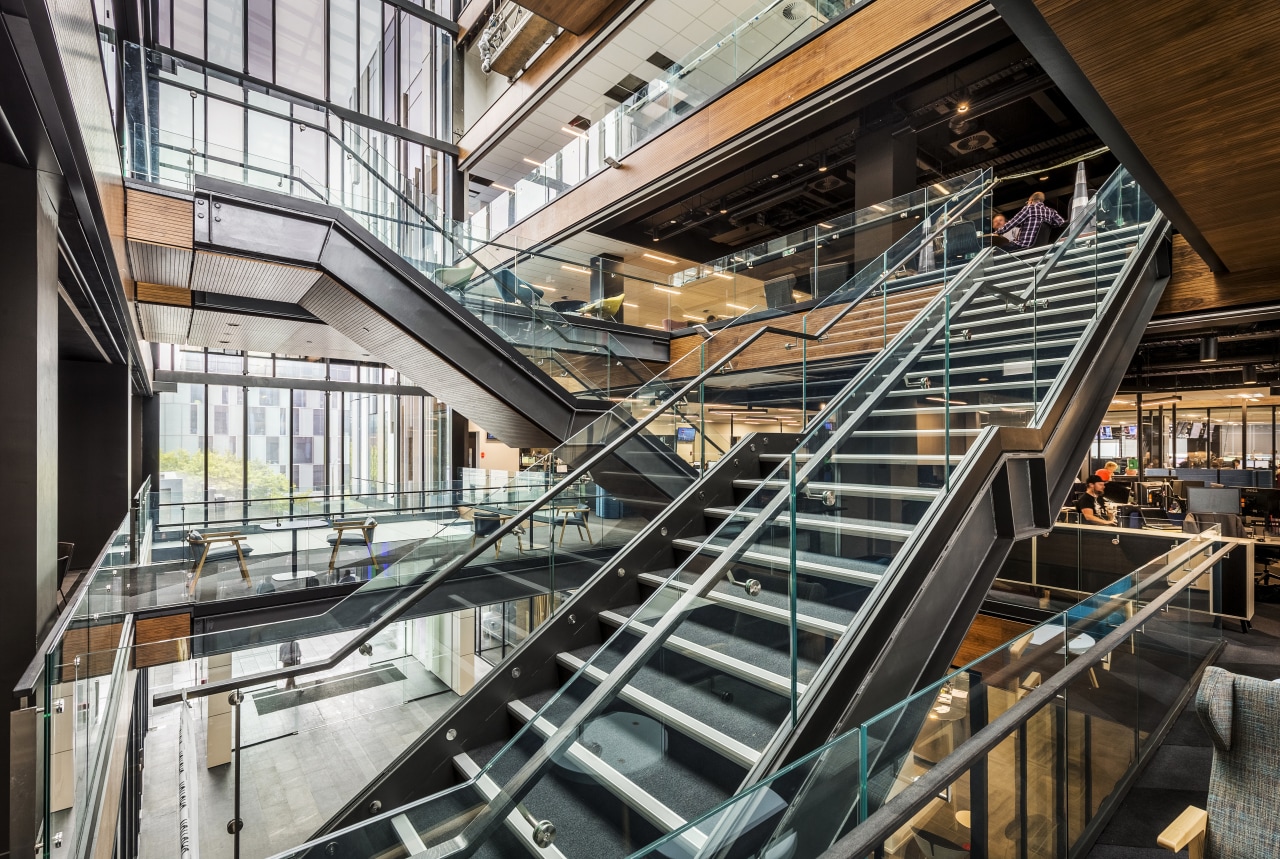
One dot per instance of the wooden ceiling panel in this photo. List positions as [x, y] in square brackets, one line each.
[1196, 86]
[576, 16]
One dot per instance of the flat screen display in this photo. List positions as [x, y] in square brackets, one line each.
[1104, 433]
[684, 433]
[1205, 499]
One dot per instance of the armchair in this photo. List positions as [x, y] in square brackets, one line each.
[1243, 817]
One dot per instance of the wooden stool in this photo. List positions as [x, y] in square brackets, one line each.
[195, 538]
[364, 526]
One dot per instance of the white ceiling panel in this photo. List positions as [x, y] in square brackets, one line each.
[236, 275]
[164, 323]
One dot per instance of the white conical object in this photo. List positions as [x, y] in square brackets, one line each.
[1079, 199]
[925, 261]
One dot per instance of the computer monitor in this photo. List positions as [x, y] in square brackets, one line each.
[1149, 492]
[1260, 503]
[1203, 499]
[1116, 491]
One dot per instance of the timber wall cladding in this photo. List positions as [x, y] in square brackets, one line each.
[1196, 86]
[862, 330]
[1192, 287]
[161, 640]
[986, 634]
[159, 219]
[869, 33]
[95, 646]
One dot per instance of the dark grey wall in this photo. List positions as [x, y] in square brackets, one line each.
[95, 437]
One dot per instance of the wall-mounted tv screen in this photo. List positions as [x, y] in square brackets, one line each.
[684, 433]
[1104, 433]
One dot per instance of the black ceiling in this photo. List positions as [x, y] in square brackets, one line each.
[1016, 121]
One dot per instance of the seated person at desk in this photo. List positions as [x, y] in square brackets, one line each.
[1107, 471]
[1091, 505]
[1033, 222]
[1001, 235]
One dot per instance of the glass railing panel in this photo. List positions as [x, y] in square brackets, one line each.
[736, 50]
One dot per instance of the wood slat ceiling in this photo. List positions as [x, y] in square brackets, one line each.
[1196, 86]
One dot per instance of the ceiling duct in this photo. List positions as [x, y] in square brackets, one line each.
[974, 142]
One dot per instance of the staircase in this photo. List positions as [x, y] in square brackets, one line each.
[764, 609]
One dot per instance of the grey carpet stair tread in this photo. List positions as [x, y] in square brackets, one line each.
[678, 786]
[581, 833]
[775, 599]
[784, 554]
[744, 649]
[747, 726]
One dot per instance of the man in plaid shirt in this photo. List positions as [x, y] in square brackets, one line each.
[1032, 220]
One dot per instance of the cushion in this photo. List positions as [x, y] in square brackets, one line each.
[1215, 704]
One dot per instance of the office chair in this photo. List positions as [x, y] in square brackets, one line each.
[962, 242]
[485, 523]
[1238, 714]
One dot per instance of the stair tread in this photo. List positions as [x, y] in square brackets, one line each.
[868, 572]
[680, 790]
[866, 527]
[736, 724]
[822, 615]
[746, 647]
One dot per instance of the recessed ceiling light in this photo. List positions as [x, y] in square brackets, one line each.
[827, 226]
[531, 161]
[567, 130]
[1044, 178]
[664, 289]
[579, 269]
[775, 175]
[724, 211]
[503, 188]
[660, 259]
[962, 107]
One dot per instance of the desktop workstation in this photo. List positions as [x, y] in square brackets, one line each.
[1239, 518]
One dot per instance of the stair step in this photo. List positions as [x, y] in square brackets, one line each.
[957, 409]
[720, 661]
[751, 605]
[804, 562]
[1063, 343]
[726, 745]
[939, 390]
[862, 490]
[615, 782]
[514, 821]
[853, 527]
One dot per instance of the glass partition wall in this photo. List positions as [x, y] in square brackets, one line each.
[1224, 431]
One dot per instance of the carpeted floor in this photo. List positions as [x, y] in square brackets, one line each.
[1178, 775]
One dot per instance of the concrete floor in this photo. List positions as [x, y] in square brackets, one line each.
[307, 761]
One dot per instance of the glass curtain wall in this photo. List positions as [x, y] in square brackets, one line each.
[1244, 436]
[390, 62]
[223, 443]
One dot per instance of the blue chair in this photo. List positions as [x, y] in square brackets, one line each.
[577, 517]
[485, 523]
[512, 288]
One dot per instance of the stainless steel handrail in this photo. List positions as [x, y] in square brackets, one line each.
[483, 546]
[889, 818]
